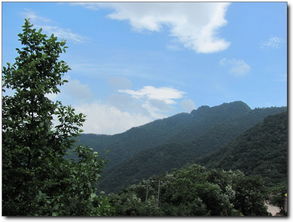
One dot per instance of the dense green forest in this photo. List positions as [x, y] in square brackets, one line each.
[260, 153]
[193, 191]
[186, 138]
[261, 150]
[184, 128]
[49, 169]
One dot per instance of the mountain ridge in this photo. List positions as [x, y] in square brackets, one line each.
[172, 141]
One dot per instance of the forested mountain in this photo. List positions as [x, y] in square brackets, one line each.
[120, 147]
[261, 150]
[179, 128]
[170, 143]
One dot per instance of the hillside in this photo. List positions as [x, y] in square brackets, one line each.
[117, 148]
[170, 143]
[261, 150]
[184, 148]
[179, 128]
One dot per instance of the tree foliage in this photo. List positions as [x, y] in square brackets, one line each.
[37, 178]
[193, 191]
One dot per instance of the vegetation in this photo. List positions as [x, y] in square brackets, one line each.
[193, 191]
[188, 137]
[45, 172]
[37, 179]
[261, 150]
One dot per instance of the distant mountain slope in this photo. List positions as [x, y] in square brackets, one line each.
[120, 147]
[261, 150]
[209, 129]
[181, 128]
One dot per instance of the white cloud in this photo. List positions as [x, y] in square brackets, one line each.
[164, 94]
[34, 17]
[119, 112]
[156, 101]
[107, 119]
[92, 6]
[195, 25]
[237, 67]
[188, 105]
[126, 103]
[52, 96]
[42, 22]
[76, 90]
[63, 33]
[153, 111]
[273, 42]
[156, 109]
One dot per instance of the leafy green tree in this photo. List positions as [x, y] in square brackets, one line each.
[193, 191]
[130, 204]
[37, 178]
[250, 195]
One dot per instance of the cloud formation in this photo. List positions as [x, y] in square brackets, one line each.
[78, 91]
[163, 94]
[273, 42]
[237, 67]
[102, 117]
[107, 119]
[42, 22]
[156, 101]
[120, 111]
[195, 25]
[34, 17]
[63, 33]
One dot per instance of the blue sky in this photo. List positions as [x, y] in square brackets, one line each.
[133, 63]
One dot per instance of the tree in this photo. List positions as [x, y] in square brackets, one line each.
[194, 191]
[250, 195]
[37, 177]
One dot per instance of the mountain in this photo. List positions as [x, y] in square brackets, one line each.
[211, 133]
[158, 132]
[170, 143]
[261, 150]
[180, 127]
[120, 147]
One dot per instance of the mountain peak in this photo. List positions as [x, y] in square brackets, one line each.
[231, 109]
[236, 105]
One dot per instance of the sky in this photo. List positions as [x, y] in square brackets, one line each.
[132, 63]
